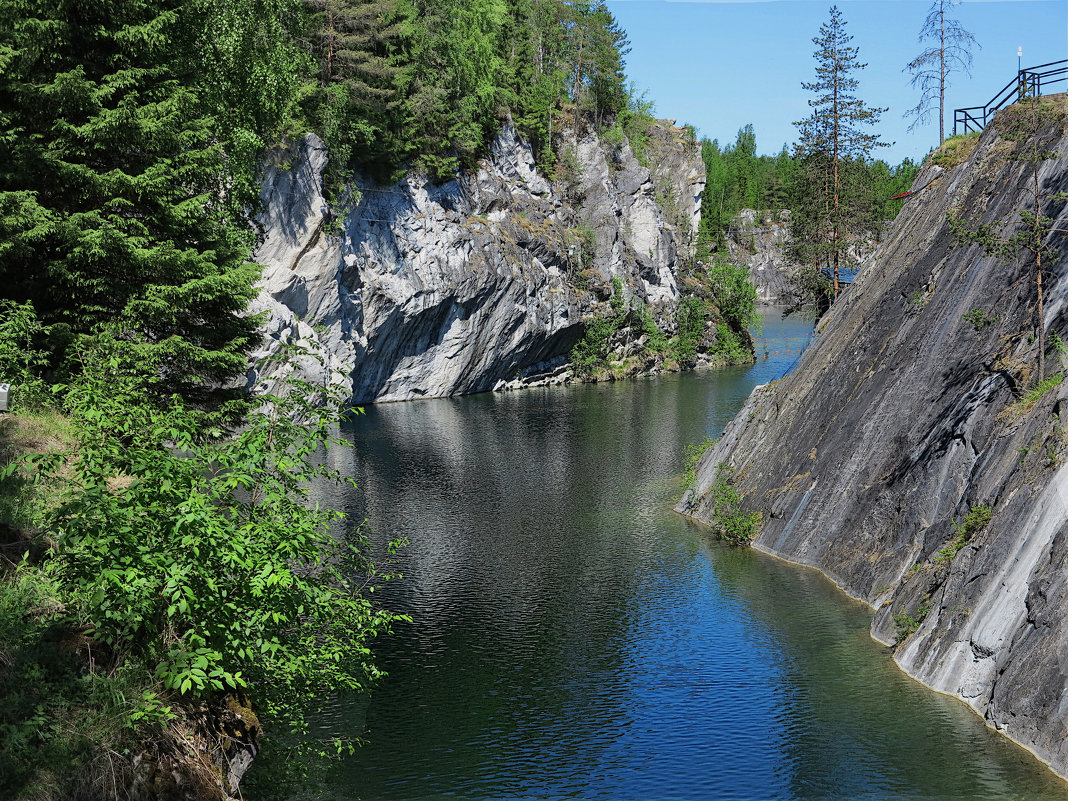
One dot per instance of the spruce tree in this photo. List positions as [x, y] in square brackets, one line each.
[362, 76]
[833, 134]
[112, 187]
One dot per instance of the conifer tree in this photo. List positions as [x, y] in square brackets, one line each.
[361, 74]
[832, 135]
[950, 52]
[112, 186]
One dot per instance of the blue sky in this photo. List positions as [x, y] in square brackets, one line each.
[718, 64]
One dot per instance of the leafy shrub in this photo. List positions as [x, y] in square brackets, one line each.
[656, 340]
[906, 623]
[734, 294]
[591, 351]
[978, 318]
[974, 522]
[693, 453]
[21, 358]
[729, 346]
[201, 558]
[1056, 344]
[690, 319]
[732, 524]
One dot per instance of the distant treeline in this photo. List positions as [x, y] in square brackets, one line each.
[740, 179]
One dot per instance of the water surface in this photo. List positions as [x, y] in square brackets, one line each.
[574, 638]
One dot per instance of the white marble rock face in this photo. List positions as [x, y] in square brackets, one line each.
[423, 289]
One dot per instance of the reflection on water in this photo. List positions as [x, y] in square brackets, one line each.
[572, 637]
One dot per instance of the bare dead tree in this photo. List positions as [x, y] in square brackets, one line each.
[949, 53]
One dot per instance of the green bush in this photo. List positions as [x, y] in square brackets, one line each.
[729, 346]
[732, 524]
[199, 559]
[591, 351]
[693, 453]
[733, 293]
[906, 623]
[21, 357]
[690, 318]
[978, 318]
[974, 522]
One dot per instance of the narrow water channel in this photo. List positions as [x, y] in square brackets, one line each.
[572, 637]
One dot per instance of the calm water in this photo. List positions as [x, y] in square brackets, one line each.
[574, 638]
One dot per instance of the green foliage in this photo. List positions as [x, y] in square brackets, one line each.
[733, 294]
[906, 623]
[122, 193]
[430, 82]
[978, 318]
[55, 717]
[974, 522]
[201, 561]
[690, 319]
[656, 340]
[836, 205]
[591, 351]
[635, 120]
[692, 455]
[730, 347]
[22, 355]
[732, 524]
[738, 178]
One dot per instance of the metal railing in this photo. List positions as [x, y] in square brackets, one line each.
[1029, 82]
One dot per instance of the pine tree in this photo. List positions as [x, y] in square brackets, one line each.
[834, 133]
[112, 187]
[951, 52]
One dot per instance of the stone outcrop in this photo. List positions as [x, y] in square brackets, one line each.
[908, 411]
[758, 240]
[424, 289]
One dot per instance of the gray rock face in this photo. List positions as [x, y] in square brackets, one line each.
[901, 418]
[425, 290]
[769, 268]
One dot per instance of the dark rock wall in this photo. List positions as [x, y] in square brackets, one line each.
[900, 419]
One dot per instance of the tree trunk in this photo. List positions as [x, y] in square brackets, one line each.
[1038, 267]
[942, 75]
[834, 220]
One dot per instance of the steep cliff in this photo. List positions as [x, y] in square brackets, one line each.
[758, 240]
[911, 412]
[425, 289]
